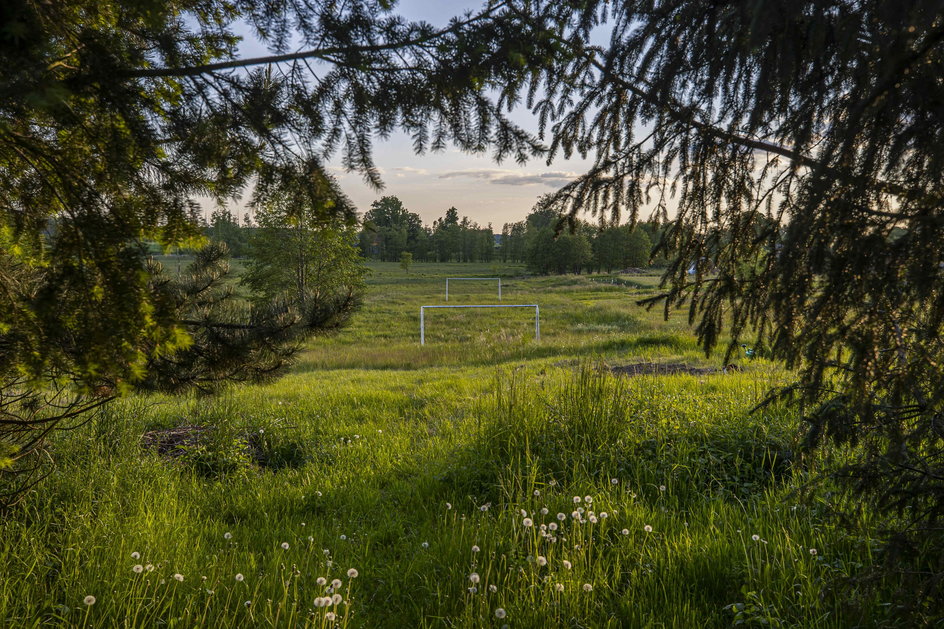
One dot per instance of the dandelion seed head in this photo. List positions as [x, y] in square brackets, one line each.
[587, 587]
[475, 549]
[352, 573]
[137, 569]
[89, 600]
[561, 516]
[542, 561]
[474, 577]
[448, 506]
[625, 531]
[337, 599]
[544, 511]
[247, 603]
[537, 492]
[500, 613]
[284, 545]
[239, 577]
[755, 537]
[813, 551]
[559, 587]
[603, 515]
[321, 581]
[588, 499]
[336, 584]
[576, 500]
[179, 577]
[330, 616]
[593, 519]
[567, 564]
[647, 528]
[661, 487]
[227, 535]
[493, 588]
[344, 538]
[614, 481]
[552, 526]
[527, 522]
[135, 555]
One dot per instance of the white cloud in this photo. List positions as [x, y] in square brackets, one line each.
[507, 177]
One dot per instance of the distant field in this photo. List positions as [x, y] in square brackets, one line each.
[484, 480]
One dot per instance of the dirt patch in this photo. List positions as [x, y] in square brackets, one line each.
[668, 369]
[174, 442]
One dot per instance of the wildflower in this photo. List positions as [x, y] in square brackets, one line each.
[493, 588]
[149, 567]
[603, 515]
[524, 513]
[593, 519]
[135, 555]
[483, 508]
[137, 569]
[542, 561]
[614, 481]
[284, 545]
[311, 540]
[575, 515]
[343, 538]
[543, 510]
[473, 590]
[561, 516]
[576, 500]
[568, 565]
[247, 603]
[755, 537]
[179, 577]
[813, 551]
[352, 573]
[537, 492]
[318, 493]
[89, 600]
[647, 528]
[559, 587]
[239, 577]
[425, 544]
[329, 564]
[448, 506]
[580, 510]
[527, 522]
[321, 581]
[227, 535]
[475, 549]
[625, 531]
[320, 602]
[552, 526]
[588, 499]
[500, 613]
[336, 583]
[337, 599]
[330, 616]
[661, 487]
[587, 587]
[474, 577]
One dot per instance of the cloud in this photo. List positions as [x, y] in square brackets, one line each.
[552, 179]
[403, 171]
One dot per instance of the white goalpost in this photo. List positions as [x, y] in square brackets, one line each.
[537, 316]
[476, 279]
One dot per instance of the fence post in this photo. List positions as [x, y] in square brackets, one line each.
[537, 322]
[422, 325]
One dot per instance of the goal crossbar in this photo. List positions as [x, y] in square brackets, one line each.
[537, 316]
[498, 279]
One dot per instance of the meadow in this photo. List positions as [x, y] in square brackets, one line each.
[483, 480]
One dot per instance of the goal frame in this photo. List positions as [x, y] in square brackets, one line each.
[537, 316]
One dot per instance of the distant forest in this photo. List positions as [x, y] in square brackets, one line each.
[388, 230]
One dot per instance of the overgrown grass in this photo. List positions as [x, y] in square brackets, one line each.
[575, 497]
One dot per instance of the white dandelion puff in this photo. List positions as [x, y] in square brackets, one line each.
[227, 535]
[647, 528]
[576, 500]
[475, 549]
[89, 600]
[755, 537]
[813, 551]
[661, 487]
[588, 499]
[567, 564]
[239, 577]
[179, 577]
[542, 561]
[493, 588]
[337, 599]
[284, 545]
[474, 577]
[500, 613]
[587, 587]
[625, 531]
[344, 538]
[552, 526]
[559, 587]
[137, 569]
[352, 573]
[336, 584]
[330, 616]
[135, 555]
[614, 481]
[603, 515]
[321, 581]
[537, 492]
[561, 516]
[527, 522]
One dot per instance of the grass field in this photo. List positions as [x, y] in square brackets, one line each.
[483, 480]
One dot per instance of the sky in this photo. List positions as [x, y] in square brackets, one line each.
[429, 184]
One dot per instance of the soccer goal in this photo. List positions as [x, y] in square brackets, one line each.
[477, 279]
[537, 316]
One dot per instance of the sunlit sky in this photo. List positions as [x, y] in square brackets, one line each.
[480, 188]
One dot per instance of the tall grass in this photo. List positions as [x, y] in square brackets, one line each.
[466, 483]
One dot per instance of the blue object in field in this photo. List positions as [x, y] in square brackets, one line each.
[748, 351]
